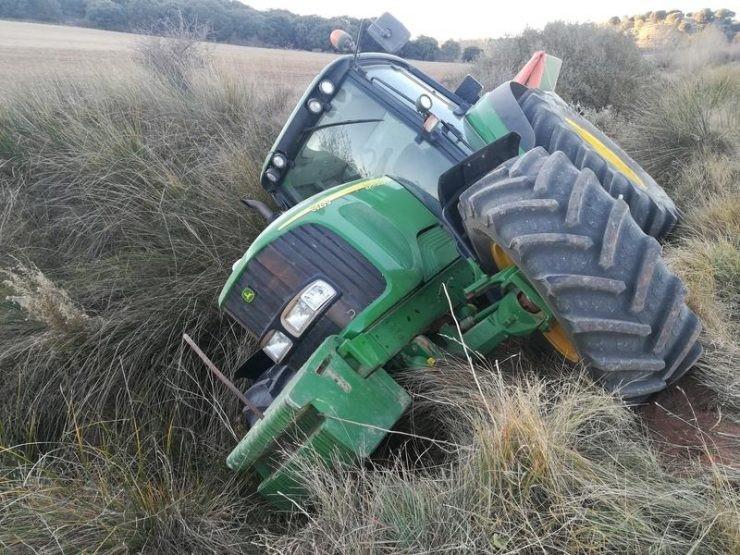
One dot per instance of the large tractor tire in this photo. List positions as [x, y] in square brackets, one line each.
[559, 128]
[616, 303]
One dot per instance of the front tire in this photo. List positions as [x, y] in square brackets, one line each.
[603, 278]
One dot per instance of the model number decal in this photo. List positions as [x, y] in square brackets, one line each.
[324, 202]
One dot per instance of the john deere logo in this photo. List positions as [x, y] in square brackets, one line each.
[248, 295]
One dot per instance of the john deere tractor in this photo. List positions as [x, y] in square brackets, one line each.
[418, 221]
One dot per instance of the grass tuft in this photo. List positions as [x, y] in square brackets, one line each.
[536, 465]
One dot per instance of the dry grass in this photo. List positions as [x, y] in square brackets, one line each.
[688, 118]
[531, 465]
[696, 52]
[119, 220]
[44, 302]
[32, 51]
[687, 135]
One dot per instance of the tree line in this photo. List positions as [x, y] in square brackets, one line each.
[689, 22]
[224, 21]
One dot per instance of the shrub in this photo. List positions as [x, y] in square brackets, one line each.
[106, 14]
[601, 67]
[684, 119]
[471, 53]
[176, 52]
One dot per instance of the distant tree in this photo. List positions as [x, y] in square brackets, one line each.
[38, 10]
[312, 33]
[674, 17]
[421, 48]
[724, 13]
[278, 29]
[614, 20]
[703, 16]
[659, 15]
[450, 51]
[627, 22]
[208, 14]
[106, 14]
[246, 23]
[471, 53]
[73, 8]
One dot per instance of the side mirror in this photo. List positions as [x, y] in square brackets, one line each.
[389, 33]
[469, 89]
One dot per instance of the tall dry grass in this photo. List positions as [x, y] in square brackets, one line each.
[686, 133]
[119, 219]
[523, 465]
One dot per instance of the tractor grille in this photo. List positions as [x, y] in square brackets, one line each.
[292, 261]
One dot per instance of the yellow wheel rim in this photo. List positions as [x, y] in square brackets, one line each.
[500, 257]
[556, 334]
[557, 338]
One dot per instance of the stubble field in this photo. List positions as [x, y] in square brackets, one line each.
[31, 51]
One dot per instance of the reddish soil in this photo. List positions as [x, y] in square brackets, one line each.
[686, 425]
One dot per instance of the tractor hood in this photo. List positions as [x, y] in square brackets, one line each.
[373, 240]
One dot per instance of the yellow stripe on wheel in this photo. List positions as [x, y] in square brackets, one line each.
[606, 153]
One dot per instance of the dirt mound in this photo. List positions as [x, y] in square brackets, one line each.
[686, 425]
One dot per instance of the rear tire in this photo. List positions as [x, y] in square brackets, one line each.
[603, 278]
[558, 127]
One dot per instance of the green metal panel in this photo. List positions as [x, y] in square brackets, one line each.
[380, 219]
[483, 118]
[326, 413]
[367, 351]
[410, 318]
[341, 402]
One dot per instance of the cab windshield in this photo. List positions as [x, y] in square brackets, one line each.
[361, 138]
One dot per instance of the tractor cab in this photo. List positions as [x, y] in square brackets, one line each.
[374, 114]
[368, 117]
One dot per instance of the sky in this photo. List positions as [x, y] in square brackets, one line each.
[472, 19]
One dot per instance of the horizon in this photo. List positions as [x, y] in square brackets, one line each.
[459, 25]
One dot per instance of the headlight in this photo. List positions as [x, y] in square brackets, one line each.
[272, 175]
[306, 305]
[279, 161]
[315, 106]
[424, 103]
[277, 345]
[326, 87]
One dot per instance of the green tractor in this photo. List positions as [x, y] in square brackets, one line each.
[419, 221]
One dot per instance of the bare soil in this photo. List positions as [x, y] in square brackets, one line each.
[686, 424]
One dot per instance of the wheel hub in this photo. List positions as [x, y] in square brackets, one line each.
[556, 334]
